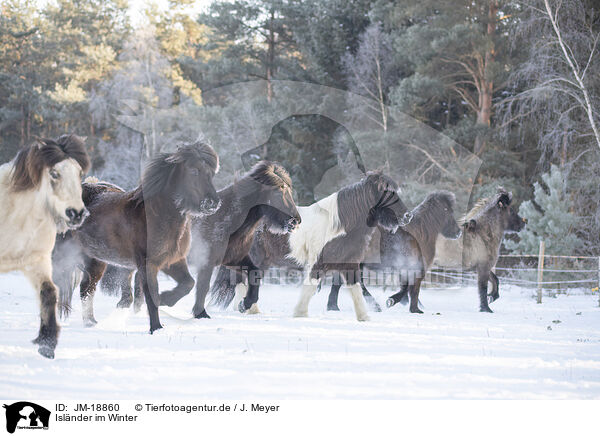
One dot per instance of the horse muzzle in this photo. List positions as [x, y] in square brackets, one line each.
[76, 218]
[292, 224]
[210, 206]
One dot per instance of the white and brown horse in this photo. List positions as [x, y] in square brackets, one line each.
[40, 194]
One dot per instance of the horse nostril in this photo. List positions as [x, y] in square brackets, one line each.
[71, 214]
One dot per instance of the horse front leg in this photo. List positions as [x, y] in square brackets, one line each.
[48, 294]
[366, 294]
[336, 284]
[93, 271]
[202, 287]
[483, 275]
[308, 290]
[249, 303]
[149, 284]
[495, 294]
[185, 282]
[399, 297]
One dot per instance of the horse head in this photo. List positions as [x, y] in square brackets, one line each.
[55, 167]
[275, 196]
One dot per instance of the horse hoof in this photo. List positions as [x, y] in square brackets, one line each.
[201, 315]
[153, 329]
[298, 314]
[486, 309]
[390, 302]
[47, 351]
[253, 310]
[333, 308]
[124, 304]
[416, 311]
[363, 318]
[241, 307]
[87, 323]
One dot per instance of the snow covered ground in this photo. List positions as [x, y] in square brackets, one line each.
[523, 350]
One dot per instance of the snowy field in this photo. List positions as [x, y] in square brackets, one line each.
[523, 350]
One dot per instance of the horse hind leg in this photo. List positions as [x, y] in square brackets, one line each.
[126, 290]
[93, 270]
[138, 297]
[332, 301]
[413, 291]
[185, 282]
[495, 294]
[399, 297]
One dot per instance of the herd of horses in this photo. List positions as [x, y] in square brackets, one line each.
[54, 228]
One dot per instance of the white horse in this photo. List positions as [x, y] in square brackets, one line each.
[40, 195]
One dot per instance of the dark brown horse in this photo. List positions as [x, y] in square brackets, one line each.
[146, 229]
[479, 248]
[264, 194]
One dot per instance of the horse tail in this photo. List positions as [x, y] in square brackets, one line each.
[222, 290]
[66, 274]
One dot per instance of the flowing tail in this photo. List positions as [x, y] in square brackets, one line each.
[66, 272]
[222, 290]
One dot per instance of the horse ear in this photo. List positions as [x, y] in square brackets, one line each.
[470, 225]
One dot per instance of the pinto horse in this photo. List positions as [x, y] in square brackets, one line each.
[147, 229]
[333, 237]
[40, 194]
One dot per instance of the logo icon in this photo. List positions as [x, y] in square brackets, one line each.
[26, 415]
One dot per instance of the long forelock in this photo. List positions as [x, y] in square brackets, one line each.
[271, 174]
[45, 153]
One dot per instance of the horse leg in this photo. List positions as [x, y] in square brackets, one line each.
[413, 291]
[332, 301]
[356, 293]
[249, 303]
[185, 282]
[366, 294]
[138, 296]
[126, 291]
[202, 286]
[48, 294]
[93, 273]
[149, 283]
[494, 295]
[399, 297]
[483, 275]
[301, 309]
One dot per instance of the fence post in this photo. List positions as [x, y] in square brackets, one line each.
[540, 271]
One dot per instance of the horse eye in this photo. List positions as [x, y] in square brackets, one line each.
[54, 174]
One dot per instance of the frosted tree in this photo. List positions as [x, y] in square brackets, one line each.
[550, 218]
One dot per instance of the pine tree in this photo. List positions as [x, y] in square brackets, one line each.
[549, 218]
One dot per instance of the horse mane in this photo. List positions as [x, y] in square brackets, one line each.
[355, 201]
[45, 153]
[271, 174]
[158, 174]
[484, 204]
[429, 216]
